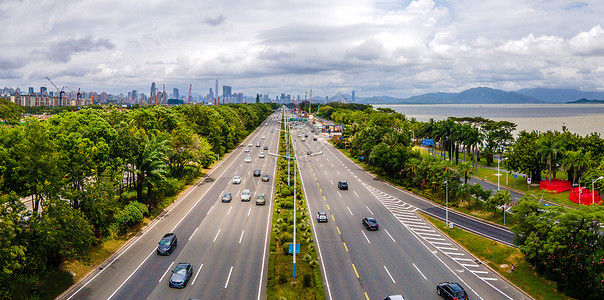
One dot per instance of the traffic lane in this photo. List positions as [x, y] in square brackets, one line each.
[332, 253]
[487, 185]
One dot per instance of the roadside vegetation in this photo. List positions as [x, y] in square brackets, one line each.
[95, 176]
[308, 283]
[565, 245]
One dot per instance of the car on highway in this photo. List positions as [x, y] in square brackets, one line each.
[263, 137]
[257, 173]
[260, 199]
[314, 139]
[265, 148]
[250, 145]
[246, 195]
[265, 178]
[261, 155]
[342, 185]
[272, 130]
[236, 179]
[247, 150]
[258, 144]
[370, 223]
[321, 216]
[227, 197]
[303, 139]
[248, 159]
[394, 297]
[450, 291]
[308, 152]
[181, 275]
[167, 244]
[306, 135]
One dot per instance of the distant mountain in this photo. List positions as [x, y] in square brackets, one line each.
[559, 95]
[479, 95]
[583, 100]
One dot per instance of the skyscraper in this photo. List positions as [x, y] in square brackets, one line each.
[226, 91]
[175, 94]
[211, 94]
[134, 96]
[153, 91]
[216, 89]
[43, 90]
[31, 90]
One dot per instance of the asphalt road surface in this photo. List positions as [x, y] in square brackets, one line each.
[405, 256]
[227, 243]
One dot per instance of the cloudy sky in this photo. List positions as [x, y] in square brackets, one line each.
[375, 47]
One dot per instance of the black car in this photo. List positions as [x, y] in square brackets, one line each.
[227, 197]
[181, 275]
[167, 244]
[450, 291]
[265, 148]
[308, 152]
[343, 185]
[370, 223]
[314, 139]
[257, 173]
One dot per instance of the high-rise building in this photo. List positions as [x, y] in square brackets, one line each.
[153, 90]
[43, 90]
[211, 94]
[216, 90]
[175, 94]
[134, 96]
[353, 96]
[226, 91]
[31, 90]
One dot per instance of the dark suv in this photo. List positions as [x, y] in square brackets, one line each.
[167, 244]
[343, 185]
[451, 291]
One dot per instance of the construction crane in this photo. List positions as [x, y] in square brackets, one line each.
[189, 100]
[77, 95]
[61, 92]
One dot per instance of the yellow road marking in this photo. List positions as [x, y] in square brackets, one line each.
[324, 198]
[345, 246]
[321, 190]
[338, 228]
[355, 270]
[328, 207]
[366, 296]
[334, 219]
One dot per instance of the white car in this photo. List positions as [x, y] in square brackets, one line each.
[261, 155]
[247, 150]
[236, 179]
[246, 195]
[248, 159]
[250, 145]
[263, 137]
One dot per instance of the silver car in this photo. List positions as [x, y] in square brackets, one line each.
[248, 159]
[236, 179]
[260, 199]
[261, 155]
[246, 195]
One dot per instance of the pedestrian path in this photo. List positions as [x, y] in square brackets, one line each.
[406, 214]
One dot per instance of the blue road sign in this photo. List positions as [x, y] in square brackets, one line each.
[291, 248]
[427, 142]
[515, 176]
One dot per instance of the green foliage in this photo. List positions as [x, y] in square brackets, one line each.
[130, 215]
[10, 113]
[306, 280]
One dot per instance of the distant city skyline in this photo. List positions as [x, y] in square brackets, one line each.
[397, 48]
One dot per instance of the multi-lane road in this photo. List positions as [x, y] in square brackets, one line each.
[227, 243]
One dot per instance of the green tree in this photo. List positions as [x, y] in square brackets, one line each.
[578, 162]
[465, 169]
[500, 199]
[12, 252]
[549, 151]
[10, 113]
[523, 156]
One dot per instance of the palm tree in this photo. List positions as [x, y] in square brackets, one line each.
[150, 163]
[549, 150]
[578, 162]
[465, 169]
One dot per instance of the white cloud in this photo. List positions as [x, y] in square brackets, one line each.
[386, 47]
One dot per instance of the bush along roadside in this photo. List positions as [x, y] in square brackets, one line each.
[281, 284]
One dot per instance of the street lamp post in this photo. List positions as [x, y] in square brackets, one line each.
[295, 248]
[499, 174]
[593, 192]
[447, 203]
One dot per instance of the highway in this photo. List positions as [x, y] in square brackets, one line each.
[226, 243]
[406, 256]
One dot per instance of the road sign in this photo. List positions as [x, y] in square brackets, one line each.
[362, 157]
[515, 176]
[291, 248]
[427, 142]
[528, 180]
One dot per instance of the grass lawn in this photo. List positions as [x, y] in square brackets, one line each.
[495, 255]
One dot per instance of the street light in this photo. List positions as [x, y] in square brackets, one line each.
[593, 192]
[295, 248]
[447, 203]
[499, 174]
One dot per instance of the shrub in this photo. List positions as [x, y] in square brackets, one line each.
[282, 278]
[306, 280]
[130, 215]
[286, 237]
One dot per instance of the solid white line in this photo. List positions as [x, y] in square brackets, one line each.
[350, 211]
[420, 272]
[390, 235]
[170, 267]
[124, 282]
[241, 236]
[355, 192]
[438, 243]
[389, 274]
[217, 233]
[479, 272]
[228, 278]
[363, 232]
[193, 233]
[249, 211]
[228, 212]
[210, 210]
[452, 253]
[200, 267]
[369, 209]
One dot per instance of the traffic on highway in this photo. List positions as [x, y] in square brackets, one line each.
[213, 241]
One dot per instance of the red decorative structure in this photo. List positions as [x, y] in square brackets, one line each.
[557, 185]
[586, 196]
